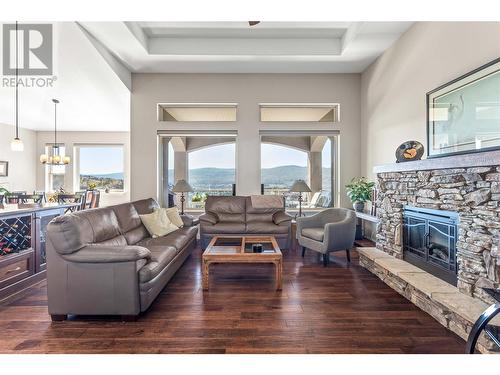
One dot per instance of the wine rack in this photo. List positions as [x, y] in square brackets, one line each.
[15, 234]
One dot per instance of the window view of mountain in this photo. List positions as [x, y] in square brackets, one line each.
[109, 181]
[205, 179]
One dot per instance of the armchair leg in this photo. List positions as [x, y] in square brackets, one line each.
[325, 259]
[348, 254]
[303, 251]
[58, 317]
[129, 318]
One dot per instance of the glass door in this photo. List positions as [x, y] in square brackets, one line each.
[415, 233]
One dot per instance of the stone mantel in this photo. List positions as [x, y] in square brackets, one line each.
[479, 159]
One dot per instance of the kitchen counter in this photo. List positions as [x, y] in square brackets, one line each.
[13, 209]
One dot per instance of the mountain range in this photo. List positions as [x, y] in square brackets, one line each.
[282, 175]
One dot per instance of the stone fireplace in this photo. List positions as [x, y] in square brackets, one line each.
[461, 189]
[468, 185]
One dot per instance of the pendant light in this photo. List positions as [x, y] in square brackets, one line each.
[17, 144]
[54, 157]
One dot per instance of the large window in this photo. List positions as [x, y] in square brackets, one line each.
[54, 174]
[285, 159]
[101, 167]
[211, 172]
[206, 162]
[280, 167]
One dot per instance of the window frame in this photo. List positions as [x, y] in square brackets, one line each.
[76, 167]
[334, 137]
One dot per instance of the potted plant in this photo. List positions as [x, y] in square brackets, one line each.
[3, 193]
[359, 191]
[91, 185]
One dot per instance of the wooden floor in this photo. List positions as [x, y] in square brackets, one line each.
[339, 309]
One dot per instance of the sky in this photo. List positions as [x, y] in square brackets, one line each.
[101, 160]
[223, 156]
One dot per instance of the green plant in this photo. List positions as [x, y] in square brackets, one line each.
[91, 185]
[360, 190]
[199, 197]
[4, 191]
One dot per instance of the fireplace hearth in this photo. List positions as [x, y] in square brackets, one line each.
[429, 241]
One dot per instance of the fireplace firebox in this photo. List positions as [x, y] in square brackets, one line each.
[429, 241]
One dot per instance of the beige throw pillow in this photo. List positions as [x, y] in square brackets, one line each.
[173, 215]
[157, 223]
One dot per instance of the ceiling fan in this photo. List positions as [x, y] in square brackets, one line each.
[253, 23]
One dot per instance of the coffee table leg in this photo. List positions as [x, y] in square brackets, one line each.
[205, 275]
[279, 275]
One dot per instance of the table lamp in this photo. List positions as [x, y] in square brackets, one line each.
[300, 187]
[182, 187]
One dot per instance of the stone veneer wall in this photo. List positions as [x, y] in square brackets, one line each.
[472, 192]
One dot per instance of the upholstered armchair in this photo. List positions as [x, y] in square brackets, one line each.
[330, 230]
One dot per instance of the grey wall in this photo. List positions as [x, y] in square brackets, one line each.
[21, 164]
[394, 87]
[248, 90]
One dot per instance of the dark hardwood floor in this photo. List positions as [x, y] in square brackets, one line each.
[338, 309]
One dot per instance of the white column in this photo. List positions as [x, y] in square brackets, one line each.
[315, 171]
[180, 165]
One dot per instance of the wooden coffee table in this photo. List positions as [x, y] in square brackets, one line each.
[238, 249]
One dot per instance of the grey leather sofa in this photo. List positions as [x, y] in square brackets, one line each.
[330, 230]
[236, 216]
[104, 262]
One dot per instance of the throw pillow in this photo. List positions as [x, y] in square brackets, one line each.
[173, 215]
[157, 223]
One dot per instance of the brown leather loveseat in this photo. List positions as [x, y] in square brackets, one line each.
[235, 216]
[104, 262]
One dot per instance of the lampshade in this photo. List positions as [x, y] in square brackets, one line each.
[17, 145]
[182, 186]
[300, 186]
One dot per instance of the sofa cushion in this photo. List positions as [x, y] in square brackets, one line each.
[115, 241]
[174, 216]
[227, 209]
[128, 217]
[161, 256]
[104, 223]
[145, 206]
[135, 235]
[224, 228]
[316, 234]
[157, 223]
[265, 227]
[178, 239]
[261, 214]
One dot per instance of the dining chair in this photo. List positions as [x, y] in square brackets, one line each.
[30, 198]
[13, 197]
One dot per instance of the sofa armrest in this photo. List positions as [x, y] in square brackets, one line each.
[209, 218]
[281, 217]
[189, 221]
[108, 254]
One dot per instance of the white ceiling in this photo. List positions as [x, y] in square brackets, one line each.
[235, 47]
[92, 97]
[93, 61]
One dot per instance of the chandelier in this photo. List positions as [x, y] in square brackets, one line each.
[54, 157]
